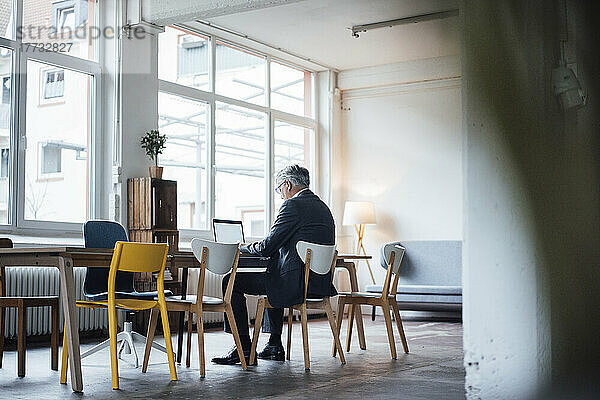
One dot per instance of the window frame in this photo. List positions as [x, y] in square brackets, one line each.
[17, 224]
[271, 115]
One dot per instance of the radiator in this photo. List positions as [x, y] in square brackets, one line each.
[37, 281]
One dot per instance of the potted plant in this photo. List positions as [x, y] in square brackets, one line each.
[154, 143]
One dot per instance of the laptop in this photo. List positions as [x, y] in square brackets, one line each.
[231, 231]
[228, 231]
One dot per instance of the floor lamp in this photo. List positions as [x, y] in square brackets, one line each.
[359, 214]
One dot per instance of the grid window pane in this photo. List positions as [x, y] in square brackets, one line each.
[291, 89]
[292, 146]
[240, 74]
[58, 137]
[185, 123]
[183, 58]
[240, 167]
[5, 131]
[6, 19]
[66, 26]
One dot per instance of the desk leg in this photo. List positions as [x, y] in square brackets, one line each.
[184, 278]
[67, 287]
[351, 267]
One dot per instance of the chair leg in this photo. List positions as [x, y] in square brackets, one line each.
[236, 335]
[390, 331]
[350, 325]
[260, 311]
[189, 339]
[168, 344]
[339, 318]
[304, 318]
[65, 358]
[201, 357]
[399, 325]
[54, 339]
[334, 330]
[1, 335]
[373, 313]
[289, 332]
[112, 333]
[21, 337]
[150, 337]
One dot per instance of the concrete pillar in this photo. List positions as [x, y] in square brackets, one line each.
[532, 215]
[130, 99]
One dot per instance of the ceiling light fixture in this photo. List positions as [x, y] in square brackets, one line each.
[356, 29]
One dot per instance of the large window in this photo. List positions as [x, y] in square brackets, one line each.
[47, 148]
[230, 125]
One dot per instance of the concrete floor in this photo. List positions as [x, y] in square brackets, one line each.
[432, 370]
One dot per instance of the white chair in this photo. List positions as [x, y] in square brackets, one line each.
[321, 260]
[220, 259]
[386, 299]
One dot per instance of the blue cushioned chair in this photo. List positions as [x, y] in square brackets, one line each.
[103, 235]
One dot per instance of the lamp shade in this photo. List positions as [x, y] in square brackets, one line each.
[359, 212]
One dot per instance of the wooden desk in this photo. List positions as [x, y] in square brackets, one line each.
[65, 259]
[347, 261]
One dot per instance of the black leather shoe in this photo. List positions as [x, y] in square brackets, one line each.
[233, 358]
[272, 352]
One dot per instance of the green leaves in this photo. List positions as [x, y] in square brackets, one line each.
[154, 143]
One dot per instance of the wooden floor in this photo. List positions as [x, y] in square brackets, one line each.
[432, 370]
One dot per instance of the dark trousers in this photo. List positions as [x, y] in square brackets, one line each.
[254, 284]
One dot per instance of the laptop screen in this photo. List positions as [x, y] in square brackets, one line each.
[228, 231]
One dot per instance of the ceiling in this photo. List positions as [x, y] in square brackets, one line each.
[318, 29]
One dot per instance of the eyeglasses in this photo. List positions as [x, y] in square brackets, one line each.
[278, 188]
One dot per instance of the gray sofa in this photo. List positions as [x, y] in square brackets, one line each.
[430, 276]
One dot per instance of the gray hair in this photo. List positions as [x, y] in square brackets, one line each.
[297, 175]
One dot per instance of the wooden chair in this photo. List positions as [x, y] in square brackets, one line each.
[220, 259]
[321, 260]
[131, 257]
[22, 304]
[385, 300]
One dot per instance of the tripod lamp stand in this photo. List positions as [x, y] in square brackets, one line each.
[359, 214]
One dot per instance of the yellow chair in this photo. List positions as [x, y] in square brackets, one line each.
[132, 257]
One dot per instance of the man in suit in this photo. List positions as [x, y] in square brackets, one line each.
[302, 216]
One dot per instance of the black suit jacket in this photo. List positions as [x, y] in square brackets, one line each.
[304, 217]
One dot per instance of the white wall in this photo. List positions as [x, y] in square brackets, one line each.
[401, 148]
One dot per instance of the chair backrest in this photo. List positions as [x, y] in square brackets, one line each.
[318, 258]
[394, 253]
[5, 243]
[321, 256]
[218, 258]
[104, 235]
[138, 257]
[399, 250]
